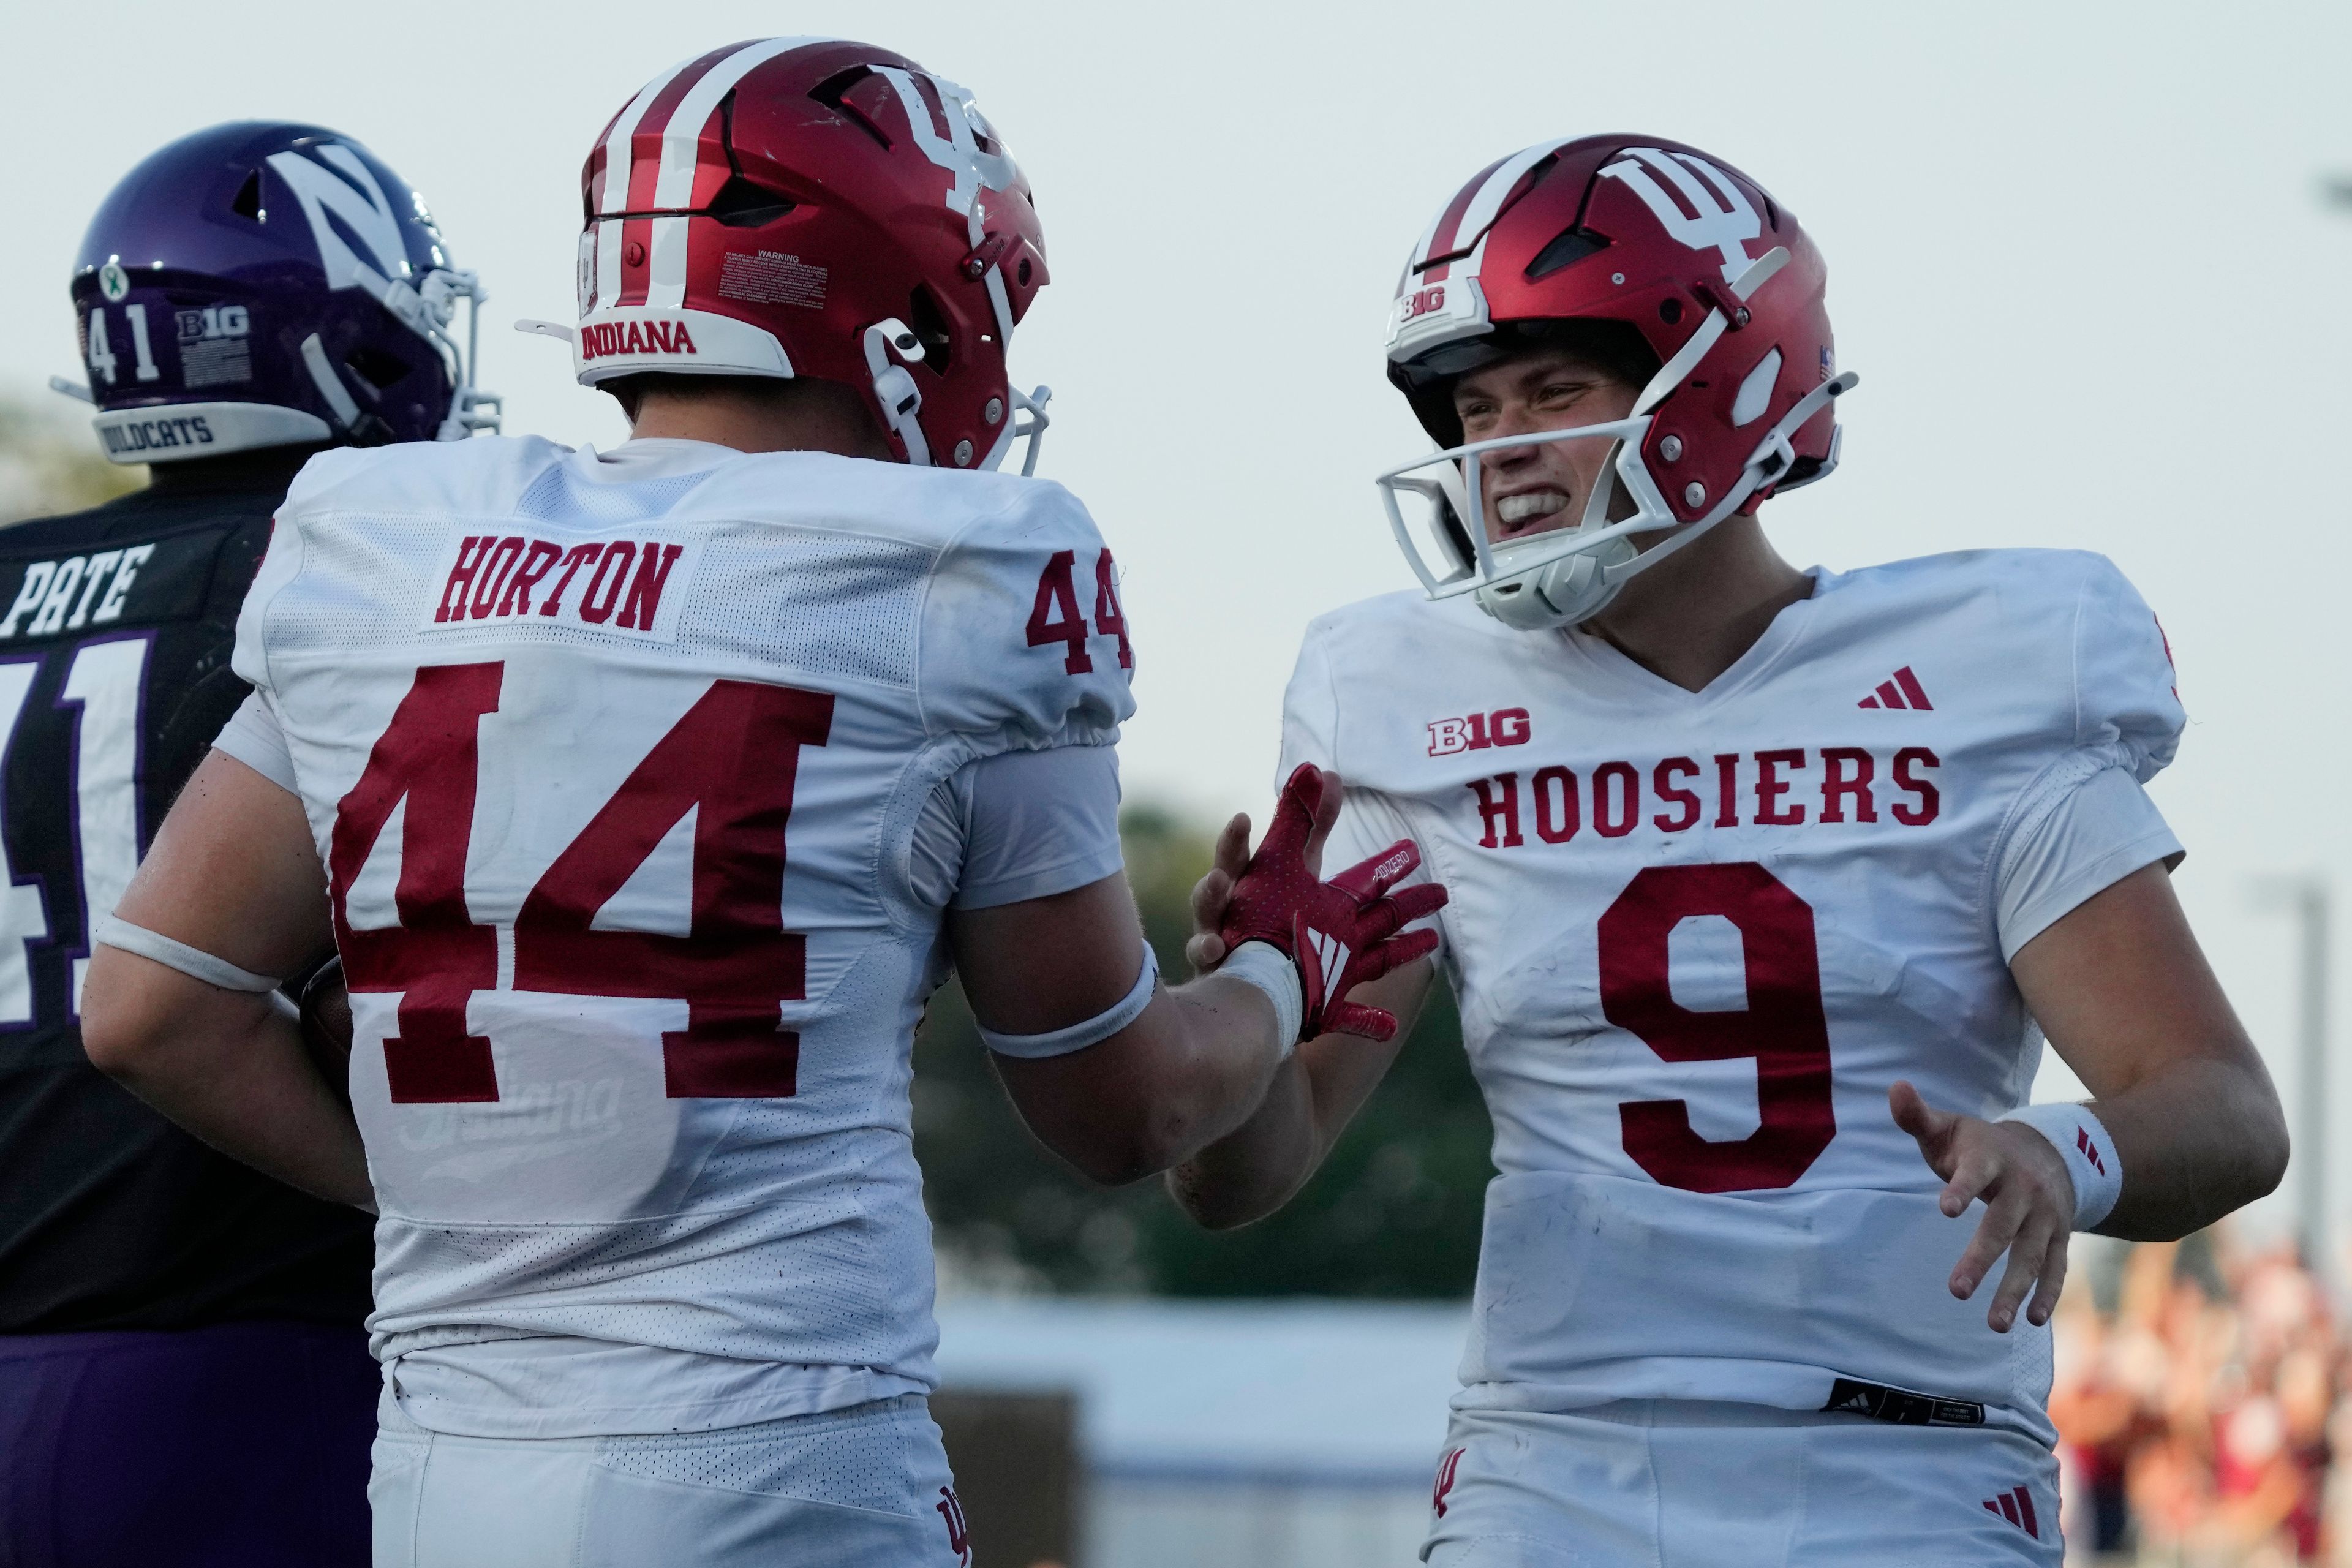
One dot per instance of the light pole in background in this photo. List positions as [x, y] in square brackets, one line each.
[2306, 899]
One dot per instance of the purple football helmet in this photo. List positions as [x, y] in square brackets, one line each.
[262, 284]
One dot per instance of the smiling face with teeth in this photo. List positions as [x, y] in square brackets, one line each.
[1536, 488]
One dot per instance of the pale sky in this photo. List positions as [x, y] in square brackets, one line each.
[2077, 254]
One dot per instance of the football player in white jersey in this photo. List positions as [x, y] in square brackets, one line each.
[1762, 879]
[646, 796]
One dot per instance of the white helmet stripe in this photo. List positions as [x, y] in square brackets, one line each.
[1488, 202]
[616, 183]
[666, 286]
[681, 150]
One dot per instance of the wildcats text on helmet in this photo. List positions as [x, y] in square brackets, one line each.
[607, 340]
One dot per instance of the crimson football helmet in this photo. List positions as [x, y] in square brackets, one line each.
[816, 208]
[1719, 282]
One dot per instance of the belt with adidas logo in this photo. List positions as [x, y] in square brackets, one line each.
[1900, 1407]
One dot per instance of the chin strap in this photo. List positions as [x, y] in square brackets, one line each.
[895, 391]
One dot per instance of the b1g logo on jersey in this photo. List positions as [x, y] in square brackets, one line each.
[636, 585]
[1476, 732]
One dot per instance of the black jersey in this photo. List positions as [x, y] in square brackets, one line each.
[116, 626]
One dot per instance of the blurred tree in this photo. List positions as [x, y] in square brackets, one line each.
[1394, 1212]
[50, 464]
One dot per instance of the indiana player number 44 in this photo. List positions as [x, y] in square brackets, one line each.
[1762, 880]
[646, 796]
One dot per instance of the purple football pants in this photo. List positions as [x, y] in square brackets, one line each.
[241, 1444]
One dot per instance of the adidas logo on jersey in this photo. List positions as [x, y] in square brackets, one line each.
[604, 585]
[1902, 690]
[2016, 1505]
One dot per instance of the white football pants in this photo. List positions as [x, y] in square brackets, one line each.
[862, 1488]
[1650, 1483]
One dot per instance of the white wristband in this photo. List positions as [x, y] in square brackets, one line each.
[192, 962]
[1266, 966]
[2090, 1155]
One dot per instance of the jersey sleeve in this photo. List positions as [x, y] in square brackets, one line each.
[2125, 697]
[2086, 823]
[2086, 828]
[253, 737]
[1024, 643]
[1018, 825]
[250, 657]
[1042, 823]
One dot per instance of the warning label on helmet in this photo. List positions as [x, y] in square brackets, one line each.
[771, 277]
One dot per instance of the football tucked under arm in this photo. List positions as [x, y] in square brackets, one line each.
[1336, 934]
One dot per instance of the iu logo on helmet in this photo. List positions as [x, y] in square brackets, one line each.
[1720, 218]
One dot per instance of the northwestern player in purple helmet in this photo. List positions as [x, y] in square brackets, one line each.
[184, 1372]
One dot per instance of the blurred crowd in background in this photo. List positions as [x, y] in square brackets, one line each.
[2201, 1400]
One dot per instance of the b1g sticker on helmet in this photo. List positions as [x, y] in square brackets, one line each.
[216, 345]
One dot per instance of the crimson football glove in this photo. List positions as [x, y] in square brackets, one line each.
[1337, 934]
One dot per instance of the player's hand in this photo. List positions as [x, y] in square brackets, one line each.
[1204, 948]
[2028, 1198]
[1337, 934]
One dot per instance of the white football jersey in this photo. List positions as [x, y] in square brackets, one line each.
[1696, 936]
[616, 779]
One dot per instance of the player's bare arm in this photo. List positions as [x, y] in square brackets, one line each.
[234, 874]
[1184, 1071]
[2127, 1000]
[1201, 1057]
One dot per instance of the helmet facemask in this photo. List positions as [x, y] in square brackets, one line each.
[1565, 577]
